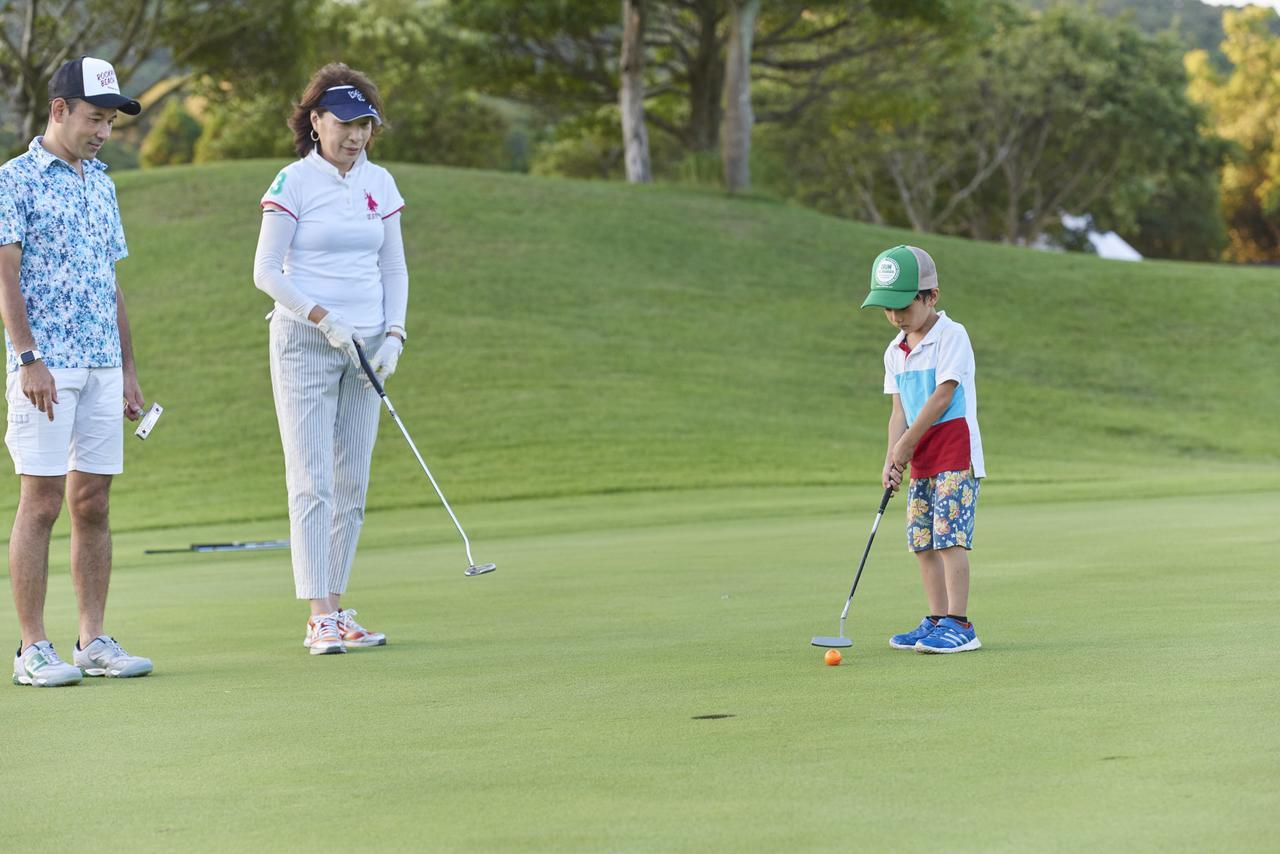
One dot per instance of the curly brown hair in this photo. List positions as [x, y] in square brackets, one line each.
[333, 74]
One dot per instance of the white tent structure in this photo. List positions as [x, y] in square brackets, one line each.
[1106, 244]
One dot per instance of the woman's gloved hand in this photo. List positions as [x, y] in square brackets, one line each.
[340, 334]
[384, 361]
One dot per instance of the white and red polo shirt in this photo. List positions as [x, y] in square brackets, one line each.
[333, 258]
[953, 442]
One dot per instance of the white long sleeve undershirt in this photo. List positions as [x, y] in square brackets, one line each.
[395, 273]
[278, 229]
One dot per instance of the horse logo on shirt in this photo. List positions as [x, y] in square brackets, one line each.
[372, 204]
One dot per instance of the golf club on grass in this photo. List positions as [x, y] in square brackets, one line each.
[237, 546]
[841, 640]
[473, 569]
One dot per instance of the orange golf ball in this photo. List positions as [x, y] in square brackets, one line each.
[832, 657]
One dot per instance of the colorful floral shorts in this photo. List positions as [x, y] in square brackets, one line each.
[940, 511]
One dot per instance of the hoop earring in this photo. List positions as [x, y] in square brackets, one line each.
[315, 137]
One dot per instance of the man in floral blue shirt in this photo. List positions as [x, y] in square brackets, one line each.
[70, 371]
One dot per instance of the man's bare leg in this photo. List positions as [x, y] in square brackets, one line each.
[88, 499]
[39, 502]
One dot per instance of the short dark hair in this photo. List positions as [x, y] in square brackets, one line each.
[71, 103]
[333, 74]
[923, 295]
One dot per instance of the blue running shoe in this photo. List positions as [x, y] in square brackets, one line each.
[907, 640]
[949, 636]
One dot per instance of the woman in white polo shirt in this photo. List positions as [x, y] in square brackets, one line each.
[331, 256]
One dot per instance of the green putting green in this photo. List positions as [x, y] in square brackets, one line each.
[1124, 696]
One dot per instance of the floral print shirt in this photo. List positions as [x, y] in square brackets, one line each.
[71, 237]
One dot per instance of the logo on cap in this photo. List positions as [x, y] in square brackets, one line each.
[107, 79]
[887, 272]
[355, 95]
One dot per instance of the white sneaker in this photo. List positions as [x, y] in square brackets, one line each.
[104, 657]
[354, 634]
[40, 666]
[323, 637]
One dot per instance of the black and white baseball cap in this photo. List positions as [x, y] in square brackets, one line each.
[92, 80]
[349, 104]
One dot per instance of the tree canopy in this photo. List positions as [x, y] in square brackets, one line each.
[984, 118]
[1041, 115]
[148, 41]
[1245, 104]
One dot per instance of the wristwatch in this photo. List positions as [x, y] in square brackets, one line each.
[26, 357]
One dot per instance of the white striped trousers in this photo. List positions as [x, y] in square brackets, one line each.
[328, 423]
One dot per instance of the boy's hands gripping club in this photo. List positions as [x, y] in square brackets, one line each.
[891, 477]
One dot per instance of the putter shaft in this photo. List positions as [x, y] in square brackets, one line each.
[395, 416]
[884, 502]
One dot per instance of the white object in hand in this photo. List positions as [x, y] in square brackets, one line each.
[149, 421]
[384, 361]
[340, 334]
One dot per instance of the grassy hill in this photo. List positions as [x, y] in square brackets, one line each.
[571, 338]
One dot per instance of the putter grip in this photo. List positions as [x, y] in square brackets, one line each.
[368, 370]
[884, 502]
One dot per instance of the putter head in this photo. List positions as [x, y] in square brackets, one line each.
[481, 569]
[832, 643]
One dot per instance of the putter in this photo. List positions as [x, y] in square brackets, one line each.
[473, 568]
[841, 641]
[237, 546]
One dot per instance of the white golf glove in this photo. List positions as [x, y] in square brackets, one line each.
[384, 361]
[340, 334]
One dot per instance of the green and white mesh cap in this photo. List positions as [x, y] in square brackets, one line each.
[898, 274]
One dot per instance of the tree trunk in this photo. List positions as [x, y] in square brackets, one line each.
[735, 129]
[22, 75]
[635, 138]
[705, 69]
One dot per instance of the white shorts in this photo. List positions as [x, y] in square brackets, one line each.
[85, 434]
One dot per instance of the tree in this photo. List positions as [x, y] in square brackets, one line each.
[1183, 218]
[235, 38]
[635, 137]
[564, 55]
[1245, 105]
[739, 119]
[172, 138]
[238, 125]
[1044, 114]
[431, 117]
[898, 141]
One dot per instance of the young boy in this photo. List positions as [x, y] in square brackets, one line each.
[933, 426]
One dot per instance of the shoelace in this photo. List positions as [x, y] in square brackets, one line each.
[49, 654]
[327, 621]
[348, 618]
[114, 650]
